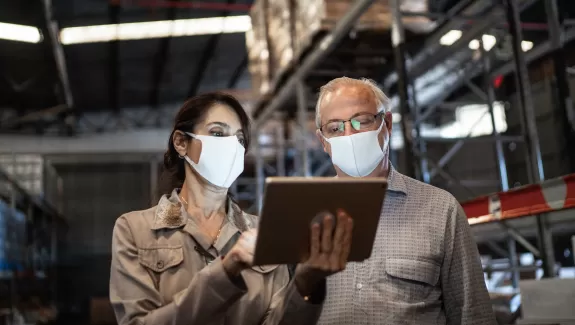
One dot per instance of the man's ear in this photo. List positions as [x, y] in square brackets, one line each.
[321, 140]
[388, 119]
[180, 141]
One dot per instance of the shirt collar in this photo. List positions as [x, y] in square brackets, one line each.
[396, 181]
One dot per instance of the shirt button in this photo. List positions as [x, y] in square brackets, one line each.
[160, 264]
[359, 286]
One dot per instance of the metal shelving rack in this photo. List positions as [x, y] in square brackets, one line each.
[30, 272]
[413, 113]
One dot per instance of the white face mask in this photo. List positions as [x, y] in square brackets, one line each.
[358, 154]
[221, 160]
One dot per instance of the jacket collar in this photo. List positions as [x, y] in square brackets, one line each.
[170, 214]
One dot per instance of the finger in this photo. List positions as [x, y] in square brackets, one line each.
[327, 233]
[346, 242]
[244, 257]
[337, 244]
[314, 240]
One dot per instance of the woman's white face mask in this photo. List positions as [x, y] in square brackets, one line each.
[221, 160]
[359, 154]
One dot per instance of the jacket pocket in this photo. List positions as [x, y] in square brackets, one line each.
[159, 259]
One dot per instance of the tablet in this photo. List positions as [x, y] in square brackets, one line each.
[291, 203]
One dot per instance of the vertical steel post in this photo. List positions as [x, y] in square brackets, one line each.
[500, 156]
[301, 137]
[536, 172]
[154, 181]
[280, 149]
[398, 41]
[422, 146]
[501, 163]
[564, 110]
[259, 165]
[513, 262]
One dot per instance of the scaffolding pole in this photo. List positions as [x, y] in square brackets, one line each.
[528, 119]
[398, 41]
[301, 136]
[564, 109]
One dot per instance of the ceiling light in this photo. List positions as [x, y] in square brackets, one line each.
[20, 33]
[450, 37]
[155, 29]
[474, 44]
[526, 45]
[488, 41]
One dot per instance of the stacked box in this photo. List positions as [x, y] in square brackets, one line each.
[279, 17]
[317, 15]
[283, 29]
[258, 50]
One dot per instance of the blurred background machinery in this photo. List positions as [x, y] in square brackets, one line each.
[480, 90]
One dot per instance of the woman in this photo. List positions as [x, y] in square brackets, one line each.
[188, 260]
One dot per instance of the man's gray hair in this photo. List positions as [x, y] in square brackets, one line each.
[381, 99]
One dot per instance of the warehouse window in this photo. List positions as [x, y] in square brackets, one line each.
[470, 120]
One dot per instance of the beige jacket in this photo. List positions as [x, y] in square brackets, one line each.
[162, 273]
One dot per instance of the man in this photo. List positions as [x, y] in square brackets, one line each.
[425, 267]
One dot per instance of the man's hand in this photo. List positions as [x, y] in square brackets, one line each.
[241, 256]
[329, 251]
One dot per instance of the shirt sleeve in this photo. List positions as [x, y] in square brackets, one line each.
[287, 304]
[135, 299]
[466, 299]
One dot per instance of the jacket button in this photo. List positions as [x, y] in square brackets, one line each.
[160, 264]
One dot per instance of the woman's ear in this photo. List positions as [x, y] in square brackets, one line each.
[180, 141]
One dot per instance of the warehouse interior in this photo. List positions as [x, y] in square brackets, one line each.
[481, 93]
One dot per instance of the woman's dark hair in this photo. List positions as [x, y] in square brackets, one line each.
[189, 115]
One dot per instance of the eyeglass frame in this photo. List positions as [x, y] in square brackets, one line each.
[378, 114]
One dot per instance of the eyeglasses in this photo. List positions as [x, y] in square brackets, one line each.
[362, 122]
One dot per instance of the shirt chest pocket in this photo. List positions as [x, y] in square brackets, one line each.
[161, 261]
[408, 280]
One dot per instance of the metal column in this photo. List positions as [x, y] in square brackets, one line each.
[398, 40]
[260, 175]
[501, 163]
[280, 150]
[301, 136]
[64, 83]
[564, 110]
[528, 119]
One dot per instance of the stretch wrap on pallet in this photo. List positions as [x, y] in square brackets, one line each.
[551, 195]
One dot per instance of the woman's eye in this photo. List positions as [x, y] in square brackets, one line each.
[242, 141]
[217, 133]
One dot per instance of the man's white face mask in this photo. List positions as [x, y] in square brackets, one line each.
[221, 160]
[358, 154]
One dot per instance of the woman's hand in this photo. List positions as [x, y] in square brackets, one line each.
[241, 256]
[329, 251]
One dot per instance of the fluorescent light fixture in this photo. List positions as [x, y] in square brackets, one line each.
[20, 33]
[526, 45]
[155, 29]
[450, 37]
